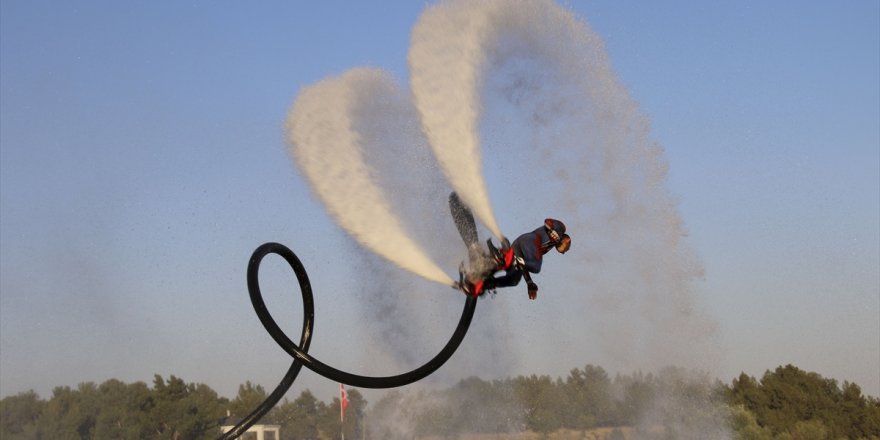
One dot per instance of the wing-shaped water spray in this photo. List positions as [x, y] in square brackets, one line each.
[327, 147]
[445, 61]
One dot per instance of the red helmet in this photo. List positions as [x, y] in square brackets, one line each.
[554, 225]
[556, 231]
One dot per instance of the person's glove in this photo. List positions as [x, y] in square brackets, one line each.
[533, 290]
[518, 262]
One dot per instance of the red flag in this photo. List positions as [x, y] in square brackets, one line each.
[343, 402]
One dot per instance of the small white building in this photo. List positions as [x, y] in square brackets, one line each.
[256, 432]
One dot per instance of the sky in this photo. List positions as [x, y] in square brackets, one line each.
[143, 158]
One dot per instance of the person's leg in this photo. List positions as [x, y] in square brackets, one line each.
[509, 279]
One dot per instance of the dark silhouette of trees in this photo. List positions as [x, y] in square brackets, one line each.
[785, 404]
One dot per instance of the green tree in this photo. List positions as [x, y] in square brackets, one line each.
[587, 398]
[863, 414]
[788, 396]
[540, 399]
[810, 430]
[70, 414]
[330, 423]
[746, 391]
[181, 410]
[169, 397]
[795, 395]
[299, 419]
[19, 415]
[249, 397]
[354, 414]
[207, 409]
[124, 410]
[743, 423]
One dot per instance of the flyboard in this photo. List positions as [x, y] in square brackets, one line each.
[482, 263]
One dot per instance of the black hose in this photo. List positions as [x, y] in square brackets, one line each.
[299, 352]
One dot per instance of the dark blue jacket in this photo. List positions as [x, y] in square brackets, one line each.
[531, 247]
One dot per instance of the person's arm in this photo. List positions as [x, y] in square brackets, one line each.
[533, 288]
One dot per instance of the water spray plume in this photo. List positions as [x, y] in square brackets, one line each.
[535, 76]
[534, 84]
[445, 59]
[325, 144]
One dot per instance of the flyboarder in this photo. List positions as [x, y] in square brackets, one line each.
[518, 260]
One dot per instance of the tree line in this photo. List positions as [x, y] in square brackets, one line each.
[784, 404]
[171, 409]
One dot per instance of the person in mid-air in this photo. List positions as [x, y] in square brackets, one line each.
[526, 254]
[518, 260]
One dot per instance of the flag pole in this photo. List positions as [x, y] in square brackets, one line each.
[343, 402]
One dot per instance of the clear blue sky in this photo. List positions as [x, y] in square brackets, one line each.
[142, 159]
